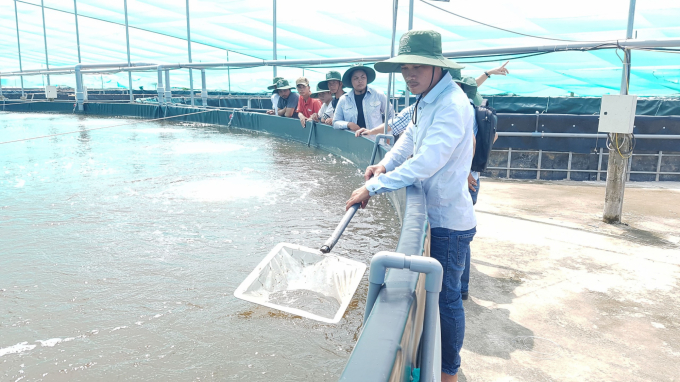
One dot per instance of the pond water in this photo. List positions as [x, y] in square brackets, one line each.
[120, 250]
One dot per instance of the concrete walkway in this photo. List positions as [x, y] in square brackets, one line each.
[557, 295]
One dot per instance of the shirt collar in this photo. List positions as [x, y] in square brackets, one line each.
[438, 89]
[368, 90]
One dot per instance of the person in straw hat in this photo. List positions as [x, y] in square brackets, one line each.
[436, 152]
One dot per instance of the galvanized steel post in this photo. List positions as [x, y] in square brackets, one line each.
[47, 60]
[229, 73]
[127, 41]
[75, 12]
[407, 93]
[616, 165]
[204, 89]
[395, 4]
[159, 86]
[80, 97]
[168, 91]
[16, 15]
[274, 39]
[191, 73]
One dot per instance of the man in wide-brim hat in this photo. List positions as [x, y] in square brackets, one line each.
[398, 124]
[435, 151]
[288, 101]
[363, 106]
[274, 97]
[333, 83]
[325, 114]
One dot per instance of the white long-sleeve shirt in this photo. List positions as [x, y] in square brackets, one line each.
[375, 105]
[441, 145]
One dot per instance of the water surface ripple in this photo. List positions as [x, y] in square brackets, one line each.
[120, 250]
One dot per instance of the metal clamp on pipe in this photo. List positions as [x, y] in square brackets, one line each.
[434, 275]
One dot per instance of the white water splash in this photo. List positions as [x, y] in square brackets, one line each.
[18, 348]
[53, 341]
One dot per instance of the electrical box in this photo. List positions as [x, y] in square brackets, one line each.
[617, 114]
[50, 92]
[84, 93]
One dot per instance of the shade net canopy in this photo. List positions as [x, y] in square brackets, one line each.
[241, 30]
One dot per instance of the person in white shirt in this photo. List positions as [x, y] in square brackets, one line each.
[333, 83]
[326, 112]
[275, 97]
[436, 152]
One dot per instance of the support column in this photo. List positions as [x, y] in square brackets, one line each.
[16, 16]
[204, 89]
[389, 80]
[159, 87]
[616, 165]
[79, 88]
[274, 36]
[229, 73]
[127, 42]
[168, 92]
[191, 73]
[407, 93]
[75, 12]
[47, 60]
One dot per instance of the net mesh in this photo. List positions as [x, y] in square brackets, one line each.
[303, 281]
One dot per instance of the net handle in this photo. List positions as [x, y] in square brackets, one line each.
[330, 243]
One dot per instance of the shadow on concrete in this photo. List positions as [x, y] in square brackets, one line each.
[461, 376]
[490, 331]
[645, 237]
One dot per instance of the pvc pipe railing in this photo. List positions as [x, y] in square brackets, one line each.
[434, 274]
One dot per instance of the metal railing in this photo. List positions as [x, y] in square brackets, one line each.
[601, 154]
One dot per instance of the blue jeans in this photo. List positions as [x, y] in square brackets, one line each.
[465, 279]
[451, 248]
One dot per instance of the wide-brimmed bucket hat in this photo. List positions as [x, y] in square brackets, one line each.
[469, 86]
[282, 84]
[347, 77]
[330, 76]
[272, 87]
[319, 90]
[418, 48]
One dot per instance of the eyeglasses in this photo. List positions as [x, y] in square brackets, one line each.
[301, 85]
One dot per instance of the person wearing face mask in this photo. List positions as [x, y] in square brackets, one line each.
[363, 106]
[436, 152]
